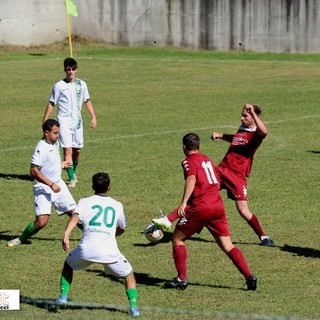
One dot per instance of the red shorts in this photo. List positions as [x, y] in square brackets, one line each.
[234, 183]
[214, 220]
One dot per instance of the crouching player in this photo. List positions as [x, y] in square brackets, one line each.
[102, 219]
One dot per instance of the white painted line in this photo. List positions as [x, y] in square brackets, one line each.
[158, 133]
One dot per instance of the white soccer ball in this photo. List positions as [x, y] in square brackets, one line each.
[153, 233]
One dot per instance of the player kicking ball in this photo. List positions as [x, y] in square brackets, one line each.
[202, 207]
[235, 167]
[102, 219]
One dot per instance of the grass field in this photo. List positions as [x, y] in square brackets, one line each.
[146, 99]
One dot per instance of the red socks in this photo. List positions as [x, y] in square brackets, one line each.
[255, 225]
[173, 215]
[239, 261]
[180, 260]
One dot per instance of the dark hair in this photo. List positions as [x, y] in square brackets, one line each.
[191, 141]
[70, 62]
[257, 110]
[49, 124]
[100, 182]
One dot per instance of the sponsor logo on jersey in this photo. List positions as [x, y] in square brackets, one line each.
[182, 221]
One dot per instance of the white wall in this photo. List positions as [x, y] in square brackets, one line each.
[26, 22]
[252, 25]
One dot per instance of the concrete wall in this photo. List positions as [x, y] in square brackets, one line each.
[251, 25]
[26, 22]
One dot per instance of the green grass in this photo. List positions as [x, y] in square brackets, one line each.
[146, 99]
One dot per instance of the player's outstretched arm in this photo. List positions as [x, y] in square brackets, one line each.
[222, 136]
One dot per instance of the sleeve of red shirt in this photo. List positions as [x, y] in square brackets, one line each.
[188, 167]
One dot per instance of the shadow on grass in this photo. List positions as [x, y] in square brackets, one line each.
[299, 251]
[8, 237]
[5, 237]
[37, 54]
[166, 239]
[149, 280]
[51, 306]
[168, 235]
[11, 176]
[314, 151]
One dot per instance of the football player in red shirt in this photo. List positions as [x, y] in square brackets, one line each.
[235, 167]
[202, 206]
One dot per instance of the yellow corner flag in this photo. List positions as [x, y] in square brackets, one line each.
[72, 9]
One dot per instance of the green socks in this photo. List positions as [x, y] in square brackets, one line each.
[70, 172]
[75, 164]
[65, 286]
[28, 232]
[133, 297]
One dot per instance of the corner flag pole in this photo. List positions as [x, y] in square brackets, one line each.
[71, 10]
[69, 36]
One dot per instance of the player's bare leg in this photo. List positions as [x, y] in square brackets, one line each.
[252, 220]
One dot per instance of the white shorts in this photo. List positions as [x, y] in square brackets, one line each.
[70, 137]
[120, 268]
[44, 198]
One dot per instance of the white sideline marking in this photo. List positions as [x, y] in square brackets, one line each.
[156, 310]
[125, 136]
[176, 58]
[138, 135]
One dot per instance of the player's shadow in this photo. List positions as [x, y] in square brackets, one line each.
[8, 237]
[241, 243]
[28, 242]
[314, 151]
[51, 306]
[299, 251]
[11, 176]
[141, 278]
[166, 239]
[149, 280]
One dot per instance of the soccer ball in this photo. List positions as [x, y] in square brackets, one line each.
[153, 233]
